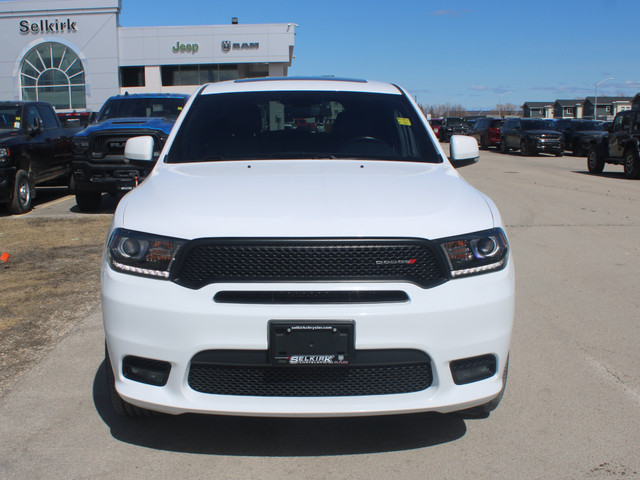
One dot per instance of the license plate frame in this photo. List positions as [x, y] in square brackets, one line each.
[304, 343]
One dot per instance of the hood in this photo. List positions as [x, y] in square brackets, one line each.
[7, 134]
[149, 123]
[588, 133]
[317, 198]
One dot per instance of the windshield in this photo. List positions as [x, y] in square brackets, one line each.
[306, 124]
[137, 107]
[10, 118]
[587, 126]
[537, 125]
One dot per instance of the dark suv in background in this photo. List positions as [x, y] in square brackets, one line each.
[453, 126]
[530, 136]
[580, 135]
[487, 132]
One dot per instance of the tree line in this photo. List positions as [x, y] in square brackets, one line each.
[457, 110]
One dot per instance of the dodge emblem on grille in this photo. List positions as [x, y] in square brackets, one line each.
[396, 262]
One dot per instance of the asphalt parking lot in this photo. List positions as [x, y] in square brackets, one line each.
[571, 408]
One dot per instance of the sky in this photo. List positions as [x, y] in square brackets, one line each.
[470, 53]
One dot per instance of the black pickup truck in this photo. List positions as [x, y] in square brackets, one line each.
[620, 146]
[34, 150]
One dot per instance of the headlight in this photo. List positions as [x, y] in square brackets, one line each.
[81, 144]
[142, 253]
[4, 155]
[476, 253]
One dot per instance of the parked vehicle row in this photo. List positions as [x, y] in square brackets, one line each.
[41, 147]
[577, 135]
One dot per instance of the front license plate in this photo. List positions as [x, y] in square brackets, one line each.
[311, 343]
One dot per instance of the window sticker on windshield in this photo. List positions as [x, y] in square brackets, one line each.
[404, 121]
[17, 123]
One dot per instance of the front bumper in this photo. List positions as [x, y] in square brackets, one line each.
[159, 320]
[106, 177]
[546, 145]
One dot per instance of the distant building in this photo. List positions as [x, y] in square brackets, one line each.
[74, 53]
[635, 103]
[537, 110]
[607, 107]
[567, 109]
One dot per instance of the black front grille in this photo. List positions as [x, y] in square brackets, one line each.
[334, 381]
[207, 261]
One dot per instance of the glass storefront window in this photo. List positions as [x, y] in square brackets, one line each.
[52, 72]
[174, 75]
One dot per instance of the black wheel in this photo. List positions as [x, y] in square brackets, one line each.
[484, 410]
[631, 164]
[524, 150]
[483, 143]
[122, 408]
[595, 162]
[503, 146]
[23, 193]
[88, 202]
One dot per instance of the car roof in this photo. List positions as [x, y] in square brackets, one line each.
[272, 84]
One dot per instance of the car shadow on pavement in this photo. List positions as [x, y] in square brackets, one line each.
[108, 204]
[43, 196]
[605, 174]
[275, 437]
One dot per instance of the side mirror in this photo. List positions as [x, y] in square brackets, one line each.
[139, 149]
[464, 151]
[35, 128]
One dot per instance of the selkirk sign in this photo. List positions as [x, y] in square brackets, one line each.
[48, 26]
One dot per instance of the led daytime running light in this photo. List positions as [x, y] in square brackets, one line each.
[140, 271]
[475, 270]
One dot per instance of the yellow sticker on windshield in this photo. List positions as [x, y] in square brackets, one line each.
[17, 123]
[404, 121]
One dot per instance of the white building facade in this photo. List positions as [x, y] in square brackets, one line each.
[74, 53]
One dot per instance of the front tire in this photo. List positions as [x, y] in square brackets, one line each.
[631, 164]
[595, 163]
[23, 193]
[524, 150]
[503, 146]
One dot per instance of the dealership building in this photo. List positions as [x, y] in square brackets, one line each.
[74, 53]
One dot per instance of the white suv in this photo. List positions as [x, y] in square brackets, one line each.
[304, 247]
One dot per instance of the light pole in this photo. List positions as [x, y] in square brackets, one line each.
[500, 102]
[595, 106]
